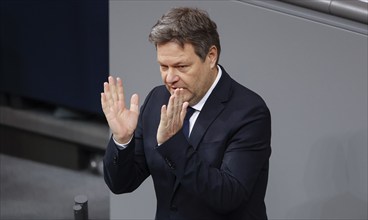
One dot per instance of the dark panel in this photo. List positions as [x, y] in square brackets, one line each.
[55, 51]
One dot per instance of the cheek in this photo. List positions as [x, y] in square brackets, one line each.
[201, 85]
[199, 81]
[190, 83]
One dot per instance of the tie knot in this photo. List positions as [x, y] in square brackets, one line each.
[190, 112]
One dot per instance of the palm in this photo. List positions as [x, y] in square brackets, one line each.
[172, 117]
[122, 121]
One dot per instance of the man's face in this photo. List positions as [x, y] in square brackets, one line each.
[182, 68]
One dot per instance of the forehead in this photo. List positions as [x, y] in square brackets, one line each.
[174, 52]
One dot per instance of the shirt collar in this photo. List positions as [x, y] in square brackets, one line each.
[201, 103]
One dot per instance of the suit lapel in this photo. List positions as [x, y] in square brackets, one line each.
[212, 108]
[204, 120]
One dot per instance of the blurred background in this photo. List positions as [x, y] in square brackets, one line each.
[307, 59]
[54, 58]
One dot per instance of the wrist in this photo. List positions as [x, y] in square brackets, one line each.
[122, 140]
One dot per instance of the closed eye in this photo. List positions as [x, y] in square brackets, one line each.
[182, 67]
[163, 67]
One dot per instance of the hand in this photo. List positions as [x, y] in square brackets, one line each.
[122, 121]
[172, 117]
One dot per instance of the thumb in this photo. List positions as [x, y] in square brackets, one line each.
[134, 103]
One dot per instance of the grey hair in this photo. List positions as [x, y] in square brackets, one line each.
[187, 25]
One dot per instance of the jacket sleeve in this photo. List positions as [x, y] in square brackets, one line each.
[126, 169]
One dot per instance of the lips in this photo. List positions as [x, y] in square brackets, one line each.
[172, 89]
[175, 88]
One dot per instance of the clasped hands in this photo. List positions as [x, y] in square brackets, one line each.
[123, 121]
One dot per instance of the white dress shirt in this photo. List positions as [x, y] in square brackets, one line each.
[198, 107]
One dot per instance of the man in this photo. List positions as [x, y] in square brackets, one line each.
[221, 170]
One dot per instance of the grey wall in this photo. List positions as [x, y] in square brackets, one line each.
[313, 77]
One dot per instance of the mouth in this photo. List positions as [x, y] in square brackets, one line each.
[172, 89]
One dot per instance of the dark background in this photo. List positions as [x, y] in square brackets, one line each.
[55, 51]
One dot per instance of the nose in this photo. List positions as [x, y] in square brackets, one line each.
[171, 76]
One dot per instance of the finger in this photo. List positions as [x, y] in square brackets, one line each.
[106, 88]
[173, 103]
[184, 110]
[120, 91]
[108, 99]
[174, 115]
[134, 103]
[180, 97]
[163, 117]
[103, 102]
[178, 104]
[170, 106]
[113, 89]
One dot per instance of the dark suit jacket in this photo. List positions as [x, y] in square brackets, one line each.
[220, 173]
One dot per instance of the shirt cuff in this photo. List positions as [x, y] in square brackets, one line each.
[122, 146]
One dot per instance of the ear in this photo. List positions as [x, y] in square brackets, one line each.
[212, 56]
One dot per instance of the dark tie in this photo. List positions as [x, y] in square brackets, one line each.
[189, 114]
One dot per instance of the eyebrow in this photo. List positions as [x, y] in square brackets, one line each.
[175, 64]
